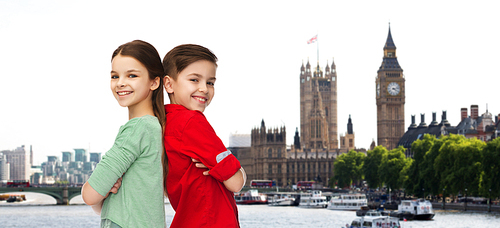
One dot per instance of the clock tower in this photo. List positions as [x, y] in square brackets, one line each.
[390, 97]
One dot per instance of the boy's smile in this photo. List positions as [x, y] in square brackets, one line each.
[194, 86]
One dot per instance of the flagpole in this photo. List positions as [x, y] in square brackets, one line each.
[317, 52]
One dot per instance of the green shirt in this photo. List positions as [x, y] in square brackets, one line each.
[136, 154]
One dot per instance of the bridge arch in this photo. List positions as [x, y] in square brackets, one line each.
[62, 195]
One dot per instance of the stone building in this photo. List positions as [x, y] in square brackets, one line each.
[390, 98]
[482, 127]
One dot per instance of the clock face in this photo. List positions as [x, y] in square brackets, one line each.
[302, 80]
[393, 88]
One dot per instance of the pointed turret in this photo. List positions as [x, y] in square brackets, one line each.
[296, 139]
[389, 43]
[349, 126]
[390, 61]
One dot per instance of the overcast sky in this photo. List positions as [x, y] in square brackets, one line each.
[55, 62]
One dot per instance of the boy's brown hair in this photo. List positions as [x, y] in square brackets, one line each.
[181, 56]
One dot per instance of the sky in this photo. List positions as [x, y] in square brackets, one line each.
[55, 59]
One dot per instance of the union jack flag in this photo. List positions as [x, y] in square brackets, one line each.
[312, 40]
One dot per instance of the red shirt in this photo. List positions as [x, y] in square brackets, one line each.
[198, 200]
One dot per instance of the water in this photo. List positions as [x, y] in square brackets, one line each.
[39, 211]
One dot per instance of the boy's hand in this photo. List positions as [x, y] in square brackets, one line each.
[200, 165]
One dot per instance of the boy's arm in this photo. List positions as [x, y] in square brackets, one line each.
[234, 183]
[237, 181]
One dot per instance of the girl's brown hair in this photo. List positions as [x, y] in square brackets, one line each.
[177, 60]
[145, 53]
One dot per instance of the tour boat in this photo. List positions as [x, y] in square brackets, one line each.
[250, 197]
[281, 199]
[414, 209]
[374, 219]
[347, 202]
[312, 199]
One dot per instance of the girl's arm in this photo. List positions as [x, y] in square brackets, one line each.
[234, 183]
[92, 198]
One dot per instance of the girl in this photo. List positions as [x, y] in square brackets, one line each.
[135, 160]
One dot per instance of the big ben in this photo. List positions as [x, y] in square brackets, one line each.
[390, 97]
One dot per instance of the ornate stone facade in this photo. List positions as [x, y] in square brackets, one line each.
[390, 98]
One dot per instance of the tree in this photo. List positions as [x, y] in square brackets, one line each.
[414, 184]
[430, 179]
[347, 168]
[371, 164]
[459, 163]
[490, 170]
[392, 164]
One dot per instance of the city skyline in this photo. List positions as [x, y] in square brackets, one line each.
[56, 62]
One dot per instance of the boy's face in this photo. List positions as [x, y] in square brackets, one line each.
[194, 87]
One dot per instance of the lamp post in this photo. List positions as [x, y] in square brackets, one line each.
[423, 193]
[444, 199]
[489, 201]
[465, 204]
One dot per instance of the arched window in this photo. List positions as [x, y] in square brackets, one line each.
[279, 152]
[270, 153]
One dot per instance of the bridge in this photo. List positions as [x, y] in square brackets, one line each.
[62, 194]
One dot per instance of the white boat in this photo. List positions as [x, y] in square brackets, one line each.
[415, 209]
[281, 199]
[250, 197]
[312, 199]
[374, 219]
[347, 202]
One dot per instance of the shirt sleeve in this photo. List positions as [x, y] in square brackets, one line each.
[126, 149]
[200, 142]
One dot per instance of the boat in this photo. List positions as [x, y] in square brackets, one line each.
[373, 218]
[250, 197]
[281, 199]
[347, 202]
[15, 198]
[419, 209]
[313, 199]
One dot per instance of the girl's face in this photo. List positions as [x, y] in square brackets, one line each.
[130, 83]
[194, 87]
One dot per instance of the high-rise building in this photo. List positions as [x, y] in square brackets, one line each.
[95, 157]
[4, 168]
[390, 98]
[67, 156]
[19, 163]
[318, 107]
[80, 155]
[52, 158]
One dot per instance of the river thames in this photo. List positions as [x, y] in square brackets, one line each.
[39, 211]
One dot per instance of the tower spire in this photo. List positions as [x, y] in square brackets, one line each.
[389, 43]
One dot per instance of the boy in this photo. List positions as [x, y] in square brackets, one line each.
[200, 199]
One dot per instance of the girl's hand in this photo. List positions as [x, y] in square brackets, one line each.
[200, 165]
[115, 187]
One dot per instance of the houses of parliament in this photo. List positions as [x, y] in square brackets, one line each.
[316, 142]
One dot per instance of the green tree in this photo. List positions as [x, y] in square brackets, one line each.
[347, 168]
[391, 167]
[414, 184]
[490, 170]
[459, 164]
[430, 179]
[371, 164]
